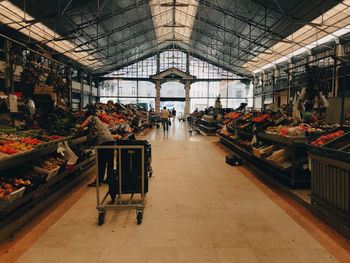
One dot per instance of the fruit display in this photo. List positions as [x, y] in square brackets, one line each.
[6, 189]
[38, 171]
[260, 118]
[326, 138]
[31, 141]
[50, 163]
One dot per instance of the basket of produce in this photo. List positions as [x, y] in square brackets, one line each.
[8, 195]
[36, 178]
[59, 162]
[48, 168]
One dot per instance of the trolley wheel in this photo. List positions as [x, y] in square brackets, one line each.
[101, 217]
[139, 217]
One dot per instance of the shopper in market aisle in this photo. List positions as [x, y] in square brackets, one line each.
[99, 135]
[173, 113]
[165, 118]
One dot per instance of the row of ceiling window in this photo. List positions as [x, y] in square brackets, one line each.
[172, 59]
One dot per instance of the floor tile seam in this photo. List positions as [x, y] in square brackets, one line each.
[291, 208]
[323, 234]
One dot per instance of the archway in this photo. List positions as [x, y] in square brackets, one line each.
[176, 77]
[173, 95]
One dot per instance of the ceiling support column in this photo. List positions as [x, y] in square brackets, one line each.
[255, 86]
[188, 64]
[290, 73]
[69, 72]
[9, 67]
[188, 99]
[81, 90]
[90, 82]
[158, 86]
[158, 63]
[137, 91]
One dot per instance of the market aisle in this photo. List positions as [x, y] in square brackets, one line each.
[198, 210]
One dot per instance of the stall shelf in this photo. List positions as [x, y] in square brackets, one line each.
[34, 154]
[294, 171]
[32, 202]
[207, 127]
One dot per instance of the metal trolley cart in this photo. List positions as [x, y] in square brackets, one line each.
[132, 160]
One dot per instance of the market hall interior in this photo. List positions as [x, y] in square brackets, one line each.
[198, 209]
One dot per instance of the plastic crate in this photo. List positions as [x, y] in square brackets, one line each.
[50, 174]
[8, 201]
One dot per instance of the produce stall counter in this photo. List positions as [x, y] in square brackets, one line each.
[18, 159]
[31, 204]
[207, 127]
[23, 204]
[288, 141]
[231, 144]
[43, 189]
[293, 170]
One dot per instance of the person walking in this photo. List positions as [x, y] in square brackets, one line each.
[174, 114]
[165, 118]
[99, 134]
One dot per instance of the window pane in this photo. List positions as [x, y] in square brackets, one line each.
[199, 90]
[200, 104]
[127, 88]
[173, 89]
[147, 89]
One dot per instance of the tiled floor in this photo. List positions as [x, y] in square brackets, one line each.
[199, 209]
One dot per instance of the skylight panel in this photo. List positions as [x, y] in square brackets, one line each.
[16, 18]
[173, 21]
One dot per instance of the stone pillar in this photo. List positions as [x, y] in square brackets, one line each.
[188, 100]
[158, 85]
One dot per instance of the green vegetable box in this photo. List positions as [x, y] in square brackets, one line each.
[335, 144]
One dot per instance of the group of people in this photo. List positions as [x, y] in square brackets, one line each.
[166, 115]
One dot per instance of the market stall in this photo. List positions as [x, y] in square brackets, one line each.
[52, 157]
[273, 141]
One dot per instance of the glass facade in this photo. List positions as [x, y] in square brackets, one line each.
[212, 81]
[173, 90]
